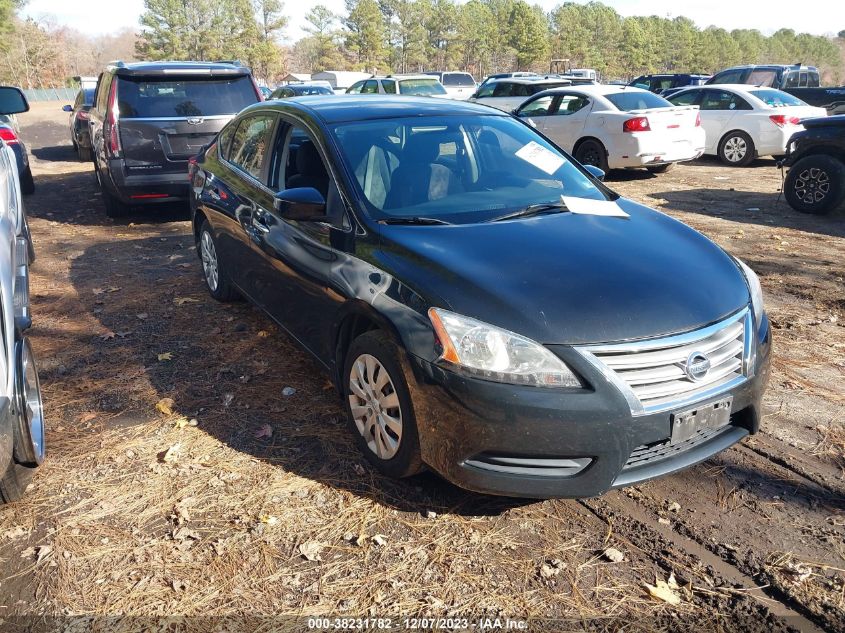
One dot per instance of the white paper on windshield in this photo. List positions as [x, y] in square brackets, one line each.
[540, 157]
[586, 206]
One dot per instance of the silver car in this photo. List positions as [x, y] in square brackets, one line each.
[21, 411]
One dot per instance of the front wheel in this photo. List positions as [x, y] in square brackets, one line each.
[815, 184]
[591, 152]
[736, 149]
[378, 406]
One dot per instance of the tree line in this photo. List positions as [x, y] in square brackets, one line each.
[479, 36]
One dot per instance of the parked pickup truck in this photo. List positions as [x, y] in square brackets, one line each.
[796, 79]
[815, 157]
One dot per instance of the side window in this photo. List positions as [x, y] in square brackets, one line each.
[225, 139]
[813, 79]
[389, 86]
[486, 90]
[503, 89]
[538, 107]
[723, 100]
[685, 98]
[793, 80]
[642, 82]
[570, 104]
[370, 87]
[102, 91]
[356, 88]
[250, 142]
[728, 77]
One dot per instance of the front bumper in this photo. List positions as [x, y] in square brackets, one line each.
[494, 438]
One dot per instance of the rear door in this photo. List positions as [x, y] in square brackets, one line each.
[166, 119]
[718, 109]
[566, 124]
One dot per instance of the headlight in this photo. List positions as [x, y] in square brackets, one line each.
[495, 354]
[756, 291]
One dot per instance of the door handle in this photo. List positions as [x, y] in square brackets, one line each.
[259, 221]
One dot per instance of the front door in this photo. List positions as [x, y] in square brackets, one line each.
[567, 120]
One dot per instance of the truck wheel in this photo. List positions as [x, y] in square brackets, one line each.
[736, 149]
[815, 184]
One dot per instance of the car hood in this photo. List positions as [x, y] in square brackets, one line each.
[566, 278]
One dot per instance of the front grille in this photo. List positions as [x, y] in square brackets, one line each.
[650, 453]
[653, 374]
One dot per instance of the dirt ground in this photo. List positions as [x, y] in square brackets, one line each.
[234, 500]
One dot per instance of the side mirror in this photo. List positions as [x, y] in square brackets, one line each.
[304, 204]
[67, 108]
[595, 172]
[12, 100]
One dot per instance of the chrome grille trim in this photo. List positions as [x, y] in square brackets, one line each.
[649, 373]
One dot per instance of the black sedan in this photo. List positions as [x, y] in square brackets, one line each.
[80, 135]
[300, 90]
[484, 304]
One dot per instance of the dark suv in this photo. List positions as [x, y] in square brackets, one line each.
[660, 84]
[149, 118]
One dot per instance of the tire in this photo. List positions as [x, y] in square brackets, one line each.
[815, 184]
[216, 278]
[114, 207]
[84, 153]
[736, 149]
[27, 183]
[14, 482]
[592, 152]
[394, 449]
[661, 169]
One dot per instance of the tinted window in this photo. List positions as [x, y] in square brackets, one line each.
[370, 87]
[570, 104]
[685, 98]
[389, 86]
[355, 88]
[728, 77]
[813, 79]
[538, 107]
[458, 168]
[250, 142]
[792, 80]
[762, 77]
[458, 79]
[723, 100]
[154, 98]
[503, 89]
[627, 101]
[776, 98]
[421, 87]
[310, 90]
[641, 82]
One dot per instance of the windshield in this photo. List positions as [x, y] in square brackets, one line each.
[311, 90]
[776, 98]
[421, 87]
[459, 169]
[631, 100]
[173, 97]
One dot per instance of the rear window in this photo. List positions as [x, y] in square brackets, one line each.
[776, 98]
[458, 79]
[627, 101]
[170, 97]
[421, 87]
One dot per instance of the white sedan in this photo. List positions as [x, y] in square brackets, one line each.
[743, 122]
[615, 127]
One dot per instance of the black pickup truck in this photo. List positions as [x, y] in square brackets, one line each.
[815, 157]
[796, 79]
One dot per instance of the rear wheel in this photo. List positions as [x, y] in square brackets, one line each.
[736, 149]
[216, 278]
[660, 169]
[114, 207]
[84, 153]
[592, 152]
[27, 183]
[815, 184]
[378, 406]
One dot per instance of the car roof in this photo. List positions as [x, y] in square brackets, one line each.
[367, 107]
[774, 66]
[744, 88]
[179, 68]
[533, 81]
[596, 89]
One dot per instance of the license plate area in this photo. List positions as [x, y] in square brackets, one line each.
[708, 416]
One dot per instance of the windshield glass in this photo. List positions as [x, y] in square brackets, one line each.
[776, 98]
[421, 87]
[459, 169]
[311, 90]
[173, 97]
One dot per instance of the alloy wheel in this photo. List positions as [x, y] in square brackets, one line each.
[375, 407]
[209, 260]
[812, 185]
[735, 149]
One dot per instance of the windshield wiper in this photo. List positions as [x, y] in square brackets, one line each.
[533, 209]
[412, 220]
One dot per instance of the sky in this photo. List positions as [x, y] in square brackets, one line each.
[818, 17]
